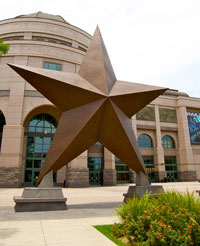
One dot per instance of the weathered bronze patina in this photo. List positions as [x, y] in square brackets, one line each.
[95, 107]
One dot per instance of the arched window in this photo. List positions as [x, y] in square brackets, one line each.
[42, 123]
[145, 141]
[168, 142]
[41, 129]
[2, 123]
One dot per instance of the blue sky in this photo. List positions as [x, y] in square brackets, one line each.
[149, 41]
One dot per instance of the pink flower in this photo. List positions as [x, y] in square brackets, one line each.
[158, 238]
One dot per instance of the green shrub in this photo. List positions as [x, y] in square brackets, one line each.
[170, 219]
[134, 207]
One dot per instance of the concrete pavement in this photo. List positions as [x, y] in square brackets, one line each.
[87, 207]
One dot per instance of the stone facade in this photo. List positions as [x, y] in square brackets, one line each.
[77, 177]
[10, 177]
[109, 177]
[35, 40]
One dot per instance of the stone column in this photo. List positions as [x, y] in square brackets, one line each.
[186, 165]
[11, 156]
[109, 172]
[13, 133]
[160, 164]
[77, 172]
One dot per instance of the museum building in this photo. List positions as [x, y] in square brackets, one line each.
[167, 130]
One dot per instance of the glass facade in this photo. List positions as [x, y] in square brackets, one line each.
[95, 165]
[145, 141]
[171, 168]
[150, 167]
[52, 66]
[40, 133]
[122, 171]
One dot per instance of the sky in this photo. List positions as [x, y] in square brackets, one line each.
[153, 42]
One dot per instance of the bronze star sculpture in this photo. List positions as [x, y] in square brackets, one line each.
[95, 107]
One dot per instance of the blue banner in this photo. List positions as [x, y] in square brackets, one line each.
[194, 126]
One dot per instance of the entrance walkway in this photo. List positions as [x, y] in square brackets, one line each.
[86, 207]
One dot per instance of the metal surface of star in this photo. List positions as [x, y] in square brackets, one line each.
[95, 107]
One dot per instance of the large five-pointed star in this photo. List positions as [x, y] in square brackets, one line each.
[95, 107]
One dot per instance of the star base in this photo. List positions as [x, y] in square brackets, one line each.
[44, 198]
[40, 199]
[141, 190]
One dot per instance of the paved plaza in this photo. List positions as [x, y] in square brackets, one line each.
[86, 207]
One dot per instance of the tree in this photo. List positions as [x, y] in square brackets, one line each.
[3, 48]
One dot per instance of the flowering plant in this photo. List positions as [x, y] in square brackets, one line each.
[159, 223]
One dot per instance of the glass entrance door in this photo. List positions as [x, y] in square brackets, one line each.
[171, 168]
[95, 170]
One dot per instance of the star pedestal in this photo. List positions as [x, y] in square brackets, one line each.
[141, 190]
[142, 187]
[44, 198]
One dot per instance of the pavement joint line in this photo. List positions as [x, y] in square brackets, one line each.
[43, 233]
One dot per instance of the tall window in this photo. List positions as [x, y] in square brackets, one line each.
[40, 133]
[95, 165]
[145, 141]
[2, 123]
[149, 164]
[168, 142]
[171, 168]
[122, 171]
[52, 66]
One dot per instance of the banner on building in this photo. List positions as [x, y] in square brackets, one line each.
[194, 126]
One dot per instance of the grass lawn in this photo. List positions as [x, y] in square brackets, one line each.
[106, 231]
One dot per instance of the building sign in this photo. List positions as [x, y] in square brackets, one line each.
[151, 169]
[194, 126]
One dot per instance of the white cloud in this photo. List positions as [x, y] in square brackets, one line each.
[150, 41]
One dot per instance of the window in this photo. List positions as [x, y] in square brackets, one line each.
[52, 66]
[171, 168]
[39, 39]
[168, 142]
[145, 141]
[122, 171]
[52, 41]
[40, 133]
[149, 164]
[66, 43]
[95, 165]
[43, 123]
